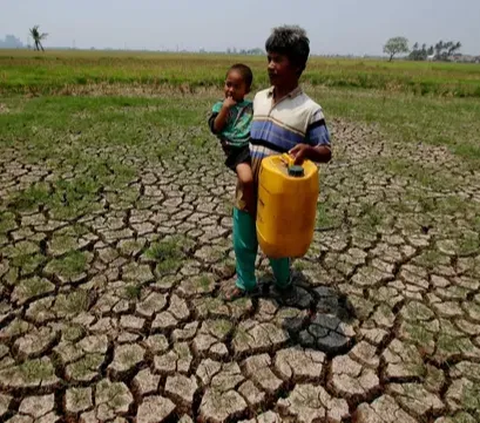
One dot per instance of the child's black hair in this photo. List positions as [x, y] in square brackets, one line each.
[245, 71]
[292, 41]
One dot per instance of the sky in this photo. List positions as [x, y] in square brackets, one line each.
[356, 27]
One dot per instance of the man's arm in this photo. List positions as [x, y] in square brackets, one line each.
[317, 142]
[318, 154]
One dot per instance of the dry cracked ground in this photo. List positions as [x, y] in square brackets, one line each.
[111, 305]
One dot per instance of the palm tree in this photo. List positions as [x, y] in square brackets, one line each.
[37, 37]
[454, 48]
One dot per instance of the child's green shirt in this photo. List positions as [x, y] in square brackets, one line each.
[236, 132]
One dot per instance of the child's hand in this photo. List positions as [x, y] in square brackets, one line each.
[229, 102]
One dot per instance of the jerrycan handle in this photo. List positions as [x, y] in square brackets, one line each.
[287, 159]
[295, 171]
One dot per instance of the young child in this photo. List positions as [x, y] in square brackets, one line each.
[230, 122]
[285, 120]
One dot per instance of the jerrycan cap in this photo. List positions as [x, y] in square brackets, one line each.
[296, 171]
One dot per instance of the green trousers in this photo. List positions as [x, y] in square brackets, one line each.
[245, 245]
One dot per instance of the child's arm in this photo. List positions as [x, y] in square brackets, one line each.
[317, 142]
[221, 118]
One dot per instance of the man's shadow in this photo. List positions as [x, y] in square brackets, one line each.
[325, 323]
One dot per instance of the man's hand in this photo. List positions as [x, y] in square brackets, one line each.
[229, 102]
[318, 154]
[300, 152]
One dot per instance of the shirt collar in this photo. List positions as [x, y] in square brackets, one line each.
[292, 94]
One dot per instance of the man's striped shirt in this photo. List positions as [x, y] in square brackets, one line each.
[278, 127]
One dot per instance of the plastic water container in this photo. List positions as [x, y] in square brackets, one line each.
[287, 206]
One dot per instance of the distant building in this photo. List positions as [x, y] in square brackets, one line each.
[465, 58]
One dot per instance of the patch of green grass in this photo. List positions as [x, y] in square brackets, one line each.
[326, 218]
[72, 332]
[454, 204]
[20, 250]
[72, 303]
[28, 263]
[411, 119]
[204, 283]
[84, 367]
[36, 370]
[222, 327]
[71, 264]
[133, 292]
[167, 253]
[464, 417]
[431, 258]
[452, 345]
[299, 265]
[425, 174]
[75, 197]
[371, 216]
[7, 222]
[182, 351]
[242, 336]
[130, 247]
[469, 244]
[31, 198]
[80, 396]
[30, 288]
[419, 334]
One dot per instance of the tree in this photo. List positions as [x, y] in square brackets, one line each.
[395, 46]
[37, 37]
[445, 50]
[454, 48]
[418, 53]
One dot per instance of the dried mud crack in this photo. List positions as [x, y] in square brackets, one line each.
[111, 304]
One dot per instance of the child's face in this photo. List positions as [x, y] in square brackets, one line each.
[281, 71]
[235, 86]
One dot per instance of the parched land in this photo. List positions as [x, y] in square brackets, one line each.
[115, 248]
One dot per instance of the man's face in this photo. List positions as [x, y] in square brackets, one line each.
[280, 70]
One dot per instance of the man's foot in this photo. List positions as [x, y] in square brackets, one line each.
[235, 293]
[288, 294]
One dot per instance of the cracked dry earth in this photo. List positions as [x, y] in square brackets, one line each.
[117, 315]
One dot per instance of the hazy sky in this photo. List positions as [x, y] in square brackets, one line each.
[334, 26]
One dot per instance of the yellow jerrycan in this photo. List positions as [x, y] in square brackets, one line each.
[286, 206]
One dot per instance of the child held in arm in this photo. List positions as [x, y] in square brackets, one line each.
[230, 121]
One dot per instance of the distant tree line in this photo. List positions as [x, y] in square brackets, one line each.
[249, 52]
[11, 41]
[442, 51]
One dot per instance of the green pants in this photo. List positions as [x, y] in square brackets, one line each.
[245, 245]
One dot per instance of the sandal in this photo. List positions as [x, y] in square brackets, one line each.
[235, 294]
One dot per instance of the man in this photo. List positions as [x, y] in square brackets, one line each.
[285, 120]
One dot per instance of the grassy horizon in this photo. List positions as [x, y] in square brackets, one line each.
[23, 71]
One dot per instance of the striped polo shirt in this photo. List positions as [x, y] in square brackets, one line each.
[278, 127]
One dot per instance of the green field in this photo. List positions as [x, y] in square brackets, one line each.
[434, 103]
[116, 249]
[22, 71]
